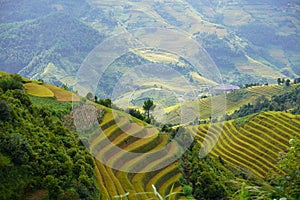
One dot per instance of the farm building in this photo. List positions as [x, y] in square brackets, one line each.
[226, 88]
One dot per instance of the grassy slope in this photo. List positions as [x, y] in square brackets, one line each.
[38, 90]
[46, 90]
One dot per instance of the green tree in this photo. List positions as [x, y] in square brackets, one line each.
[105, 102]
[136, 113]
[288, 82]
[296, 80]
[10, 82]
[4, 111]
[279, 81]
[148, 105]
[289, 183]
[90, 96]
[64, 86]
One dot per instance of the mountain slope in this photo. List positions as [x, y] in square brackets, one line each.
[39, 157]
[255, 144]
[250, 41]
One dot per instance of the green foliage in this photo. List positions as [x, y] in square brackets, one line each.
[288, 184]
[222, 53]
[148, 105]
[244, 194]
[38, 153]
[90, 96]
[296, 80]
[105, 102]
[4, 162]
[209, 176]
[136, 113]
[56, 108]
[10, 82]
[55, 37]
[187, 190]
[288, 82]
[63, 86]
[4, 111]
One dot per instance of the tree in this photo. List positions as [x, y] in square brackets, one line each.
[135, 113]
[279, 81]
[10, 82]
[288, 82]
[148, 105]
[4, 111]
[65, 87]
[107, 102]
[90, 96]
[289, 163]
[296, 80]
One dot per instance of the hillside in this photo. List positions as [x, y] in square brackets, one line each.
[39, 157]
[249, 41]
[221, 105]
[50, 112]
[253, 143]
[137, 145]
[82, 150]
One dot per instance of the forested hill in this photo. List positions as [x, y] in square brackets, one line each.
[38, 156]
[41, 39]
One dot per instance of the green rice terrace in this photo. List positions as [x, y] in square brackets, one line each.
[254, 144]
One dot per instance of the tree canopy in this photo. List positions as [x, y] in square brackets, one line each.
[148, 105]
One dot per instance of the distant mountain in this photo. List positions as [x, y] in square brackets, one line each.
[46, 39]
[249, 41]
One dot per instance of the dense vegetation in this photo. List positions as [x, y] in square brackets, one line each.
[211, 177]
[38, 153]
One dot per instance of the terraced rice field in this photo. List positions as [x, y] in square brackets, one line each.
[133, 137]
[234, 101]
[254, 146]
[268, 90]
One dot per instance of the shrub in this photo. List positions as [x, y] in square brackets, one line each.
[11, 82]
[187, 190]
